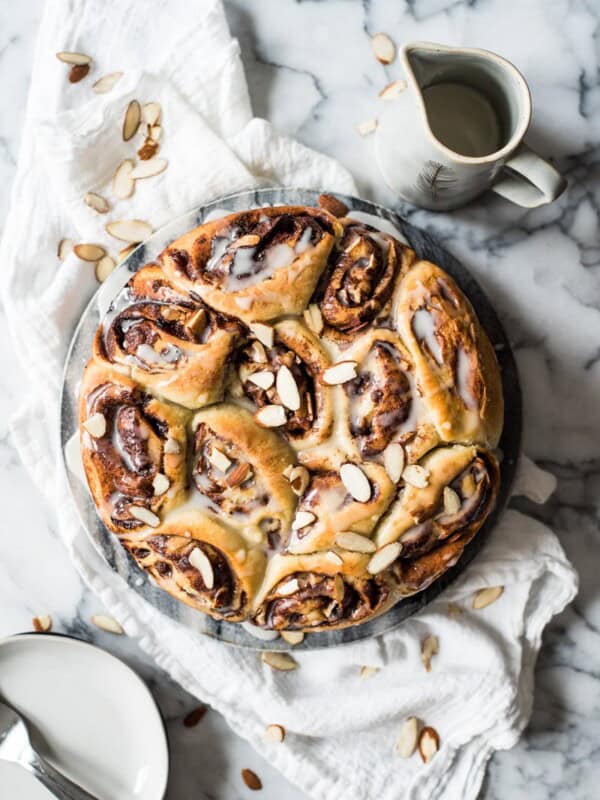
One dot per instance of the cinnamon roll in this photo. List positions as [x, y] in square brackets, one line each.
[256, 265]
[170, 342]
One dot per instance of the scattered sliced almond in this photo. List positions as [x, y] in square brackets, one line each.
[239, 474]
[454, 610]
[288, 471]
[151, 113]
[392, 90]
[334, 558]
[384, 557]
[289, 587]
[195, 716]
[430, 647]
[302, 519]
[107, 82]
[108, 624]
[429, 744]
[78, 72]
[274, 733]
[330, 203]
[264, 333]
[104, 267]
[65, 248]
[280, 661]
[97, 202]
[218, 459]
[95, 425]
[89, 252]
[408, 737]
[144, 515]
[149, 168]
[394, 460]
[271, 416]
[287, 388]
[251, 780]
[73, 58]
[416, 476]
[197, 322]
[148, 150]
[341, 372]
[42, 624]
[200, 561]
[129, 230]
[384, 48]
[367, 127]
[485, 597]
[256, 351]
[131, 122]
[368, 672]
[292, 637]
[123, 184]
[127, 251]
[314, 318]
[155, 132]
[172, 446]
[451, 501]
[299, 479]
[249, 240]
[160, 483]
[356, 482]
[355, 542]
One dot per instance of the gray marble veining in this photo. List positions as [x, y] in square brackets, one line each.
[311, 71]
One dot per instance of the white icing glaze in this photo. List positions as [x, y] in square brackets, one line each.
[424, 329]
[74, 460]
[463, 370]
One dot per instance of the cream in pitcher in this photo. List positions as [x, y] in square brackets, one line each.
[457, 130]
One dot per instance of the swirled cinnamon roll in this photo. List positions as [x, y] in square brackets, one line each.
[133, 448]
[237, 473]
[455, 364]
[363, 271]
[169, 341]
[255, 265]
[320, 591]
[201, 562]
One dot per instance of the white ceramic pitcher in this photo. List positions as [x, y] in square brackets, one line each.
[497, 110]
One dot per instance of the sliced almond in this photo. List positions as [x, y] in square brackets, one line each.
[89, 252]
[302, 519]
[249, 240]
[341, 372]
[334, 206]
[485, 597]
[95, 425]
[348, 540]
[430, 646]
[289, 587]
[264, 333]
[384, 557]
[194, 716]
[107, 82]
[288, 471]
[73, 58]
[314, 318]
[251, 780]
[287, 388]
[339, 589]
[197, 322]
[155, 132]
[393, 461]
[263, 379]
[451, 501]
[144, 515]
[131, 122]
[78, 72]
[125, 252]
[172, 446]
[151, 113]
[147, 151]
[160, 483]
[200, 561]
[42, 624]
[274, 733]
[416, 476]
[408, 737]
[356, 482]
[104, 267]
[392, 90]
[280, 661]
[368, 672]
[239, 474]
[129, 230]
[367, 127]
[299, 479]
[292, 637]
[123, 184]
[256, 351]
[384, 48]
[334, 558]
[218, 459]
[272, 416]
[65, 248]
[149, 168]
[108, 624]
[429, 744]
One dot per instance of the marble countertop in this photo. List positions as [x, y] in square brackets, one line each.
[311, 72]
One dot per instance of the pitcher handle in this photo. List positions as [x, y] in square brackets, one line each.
[542, 183]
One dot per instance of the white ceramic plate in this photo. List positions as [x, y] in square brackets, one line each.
[99, 721]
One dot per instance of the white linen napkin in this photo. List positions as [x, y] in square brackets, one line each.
[340, 729]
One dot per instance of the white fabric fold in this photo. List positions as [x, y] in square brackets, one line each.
[340, 729]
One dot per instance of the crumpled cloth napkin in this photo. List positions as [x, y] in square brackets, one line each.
[341, 730]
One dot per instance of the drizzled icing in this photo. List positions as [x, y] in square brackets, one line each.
[424, 329]
[463, 372]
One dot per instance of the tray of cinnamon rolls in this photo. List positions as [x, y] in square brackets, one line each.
[296, 414]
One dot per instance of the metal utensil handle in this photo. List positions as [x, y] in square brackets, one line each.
[61, 787]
